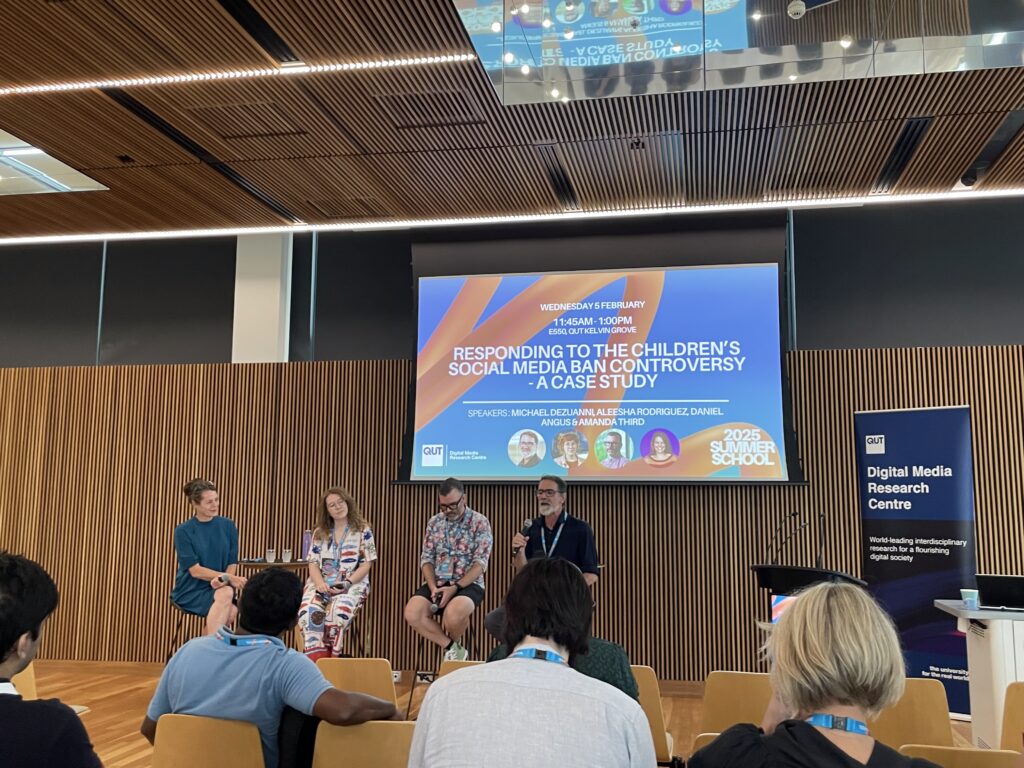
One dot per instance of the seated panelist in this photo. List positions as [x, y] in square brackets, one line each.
[206, 546]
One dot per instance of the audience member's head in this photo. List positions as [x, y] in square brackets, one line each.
[835, 645]
[27, 596]
[270, 602]
[549, 599]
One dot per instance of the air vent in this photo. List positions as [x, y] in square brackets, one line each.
[350, 208]
[902, 151]
[558, 177]
[259, 30]
[431, 109]
[247, 120]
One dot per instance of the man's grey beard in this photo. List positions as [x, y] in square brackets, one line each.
[547, 509]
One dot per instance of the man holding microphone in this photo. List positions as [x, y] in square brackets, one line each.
[456, 549]
[555, 533]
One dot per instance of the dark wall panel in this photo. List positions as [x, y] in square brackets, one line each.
[49, 304]
[169, 301]
[938, 274]
[364, 297]
[300, 321]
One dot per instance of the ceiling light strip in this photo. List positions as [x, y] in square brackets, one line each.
[240, 74]
[538, 218]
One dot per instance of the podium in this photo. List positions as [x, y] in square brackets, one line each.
[787, 579]
[995, 658]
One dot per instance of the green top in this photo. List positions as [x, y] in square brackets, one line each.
[606, 662]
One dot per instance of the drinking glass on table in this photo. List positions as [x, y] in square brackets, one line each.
[271, 555]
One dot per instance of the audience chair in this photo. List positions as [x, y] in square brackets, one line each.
[372, 676]
[650, 700]
[187, 741]
[1012, 734]
[953, 757]
[920, 717]
[451, 666]
[703, 740]
[376, 744]
[25, 683]
[734, 697]
[428, 675]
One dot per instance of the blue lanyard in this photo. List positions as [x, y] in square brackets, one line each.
[837, 723]
[337, 546]
[558, 535]
[539, 654]
[229, 639]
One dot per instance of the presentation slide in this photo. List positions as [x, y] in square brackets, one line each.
[670, 374]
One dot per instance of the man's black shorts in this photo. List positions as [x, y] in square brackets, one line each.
[474, 592]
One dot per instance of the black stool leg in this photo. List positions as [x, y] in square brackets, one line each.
[174, 638]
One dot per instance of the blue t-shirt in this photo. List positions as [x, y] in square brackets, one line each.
[212, 545]
[253, 682]
[575, 543]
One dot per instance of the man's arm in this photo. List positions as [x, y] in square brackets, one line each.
[148, 729]
[347, 708]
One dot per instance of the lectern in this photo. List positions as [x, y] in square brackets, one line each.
[787, 579]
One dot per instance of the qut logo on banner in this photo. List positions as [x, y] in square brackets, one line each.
[874, 444]
[432, 456]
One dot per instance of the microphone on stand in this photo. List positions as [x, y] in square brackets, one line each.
[771, 545]
[527, 525]
[785, 541]
[821, 539]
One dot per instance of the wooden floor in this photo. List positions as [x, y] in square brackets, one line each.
[117, 695]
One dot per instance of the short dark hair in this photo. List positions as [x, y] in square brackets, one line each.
[270, 602]
[27, 596]
[550, 599]
[559, 481]
[449, 485]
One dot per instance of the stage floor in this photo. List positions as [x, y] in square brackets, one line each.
[117, 694]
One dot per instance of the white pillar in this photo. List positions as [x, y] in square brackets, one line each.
[263, 281]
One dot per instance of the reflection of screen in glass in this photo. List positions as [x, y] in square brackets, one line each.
[659, 374]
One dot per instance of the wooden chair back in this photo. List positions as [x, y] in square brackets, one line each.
[1013, 718]
[187, 741]
[952, 757]
[451, 665]
[734, 697]
[376, 744]
[372, 676]
[650, 700]
[920, 717]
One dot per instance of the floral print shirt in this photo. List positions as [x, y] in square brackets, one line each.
[453, 546]
[336, 562]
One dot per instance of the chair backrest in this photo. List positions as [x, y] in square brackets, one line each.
[920, 717]
[187, 741]
[379, 743]
[734, 697]
[1013, 718]
[25, 683]
[952, 757]
[372, 676]
[450, 665]
[650, 700]
[702, 740]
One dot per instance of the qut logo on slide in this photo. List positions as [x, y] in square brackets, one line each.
[432, 456]
[874, 444]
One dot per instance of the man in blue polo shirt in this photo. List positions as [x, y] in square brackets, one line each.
[250, 674]
[555, 533]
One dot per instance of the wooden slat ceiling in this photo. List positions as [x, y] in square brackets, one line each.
[436, 141]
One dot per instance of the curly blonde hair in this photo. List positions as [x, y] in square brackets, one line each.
[324, 522]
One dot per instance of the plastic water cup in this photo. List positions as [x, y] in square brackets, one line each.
[286, 555]
[271, 555]
[970, 598]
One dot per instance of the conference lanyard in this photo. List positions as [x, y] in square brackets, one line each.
[337, 547]
[539, 654]
[558, 535]
[836, 723]
[228, 639]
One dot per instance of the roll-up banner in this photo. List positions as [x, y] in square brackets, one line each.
[917, 505]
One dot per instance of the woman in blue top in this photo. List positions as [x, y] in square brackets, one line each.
[207, 550]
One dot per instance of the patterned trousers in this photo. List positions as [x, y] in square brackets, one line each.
[324, 619]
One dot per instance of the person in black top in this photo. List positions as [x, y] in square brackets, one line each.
[836, 662]
[35, 733]
[555, 533]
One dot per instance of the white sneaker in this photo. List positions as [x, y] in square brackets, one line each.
[456, 653]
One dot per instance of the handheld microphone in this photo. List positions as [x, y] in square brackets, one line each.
[435, 604]
[527, 525]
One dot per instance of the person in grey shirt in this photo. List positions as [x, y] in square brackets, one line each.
[533, 708]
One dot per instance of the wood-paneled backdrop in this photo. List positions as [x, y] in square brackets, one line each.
[92, 461]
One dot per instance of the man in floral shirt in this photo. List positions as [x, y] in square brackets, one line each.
[456, 548]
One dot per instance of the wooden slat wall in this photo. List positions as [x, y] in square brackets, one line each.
[92, 461]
